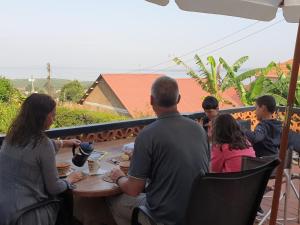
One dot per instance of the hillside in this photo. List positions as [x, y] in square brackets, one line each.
[39, 83]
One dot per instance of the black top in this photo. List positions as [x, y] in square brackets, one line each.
[206, 121]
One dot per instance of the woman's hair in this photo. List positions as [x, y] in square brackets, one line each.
[227, 131]
[30, 122]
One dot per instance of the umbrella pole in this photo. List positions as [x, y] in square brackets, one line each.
[286, 128]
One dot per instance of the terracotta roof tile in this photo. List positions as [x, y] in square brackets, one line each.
[283, 68]
[133, 90]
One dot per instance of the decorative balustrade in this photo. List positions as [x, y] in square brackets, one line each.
[125, 129]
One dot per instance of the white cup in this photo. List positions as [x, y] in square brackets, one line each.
[94, 165]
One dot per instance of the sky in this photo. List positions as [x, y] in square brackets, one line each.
[81, 39]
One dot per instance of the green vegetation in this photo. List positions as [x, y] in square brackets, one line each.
[64, 117]
[9, 94]
[208, 78]
[8, 112]
[11, 99]
[211, 81]
[40, 82]
[71, 92]
[232, 79]
[73, 117]
[215, 83]
[279, 87]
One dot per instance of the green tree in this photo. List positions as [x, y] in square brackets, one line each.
[208, 78]
[71, 92]
[8, 93]
[6, 89]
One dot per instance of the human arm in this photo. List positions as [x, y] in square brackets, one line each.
[53, 184]
[140, 167]
[129, 185]
[257, 135]
[66, 143]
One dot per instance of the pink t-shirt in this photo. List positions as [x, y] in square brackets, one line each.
[224, 159]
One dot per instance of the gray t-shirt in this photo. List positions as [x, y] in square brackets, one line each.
[170, 152]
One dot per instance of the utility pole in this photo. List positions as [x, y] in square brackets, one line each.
[49, 79]
[32, 86]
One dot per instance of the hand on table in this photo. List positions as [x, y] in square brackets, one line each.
[74, 177]
[115, 173]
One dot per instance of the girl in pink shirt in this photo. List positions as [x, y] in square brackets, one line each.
[229, 144]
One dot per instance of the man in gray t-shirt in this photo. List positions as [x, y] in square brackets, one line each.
[169, 153]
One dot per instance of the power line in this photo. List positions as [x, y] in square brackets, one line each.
[204, 46]
[224, 46]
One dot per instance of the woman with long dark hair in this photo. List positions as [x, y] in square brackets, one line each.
[229, 144]
[28, 174]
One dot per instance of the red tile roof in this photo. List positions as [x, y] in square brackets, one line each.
[133, 90]
[283, 68]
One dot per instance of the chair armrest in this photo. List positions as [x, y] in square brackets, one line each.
[145, 211]
[19, 213]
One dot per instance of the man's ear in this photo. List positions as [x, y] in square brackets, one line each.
[178, 99]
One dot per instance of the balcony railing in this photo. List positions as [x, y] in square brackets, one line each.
[125, 129]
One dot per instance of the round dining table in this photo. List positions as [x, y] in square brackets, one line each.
[90, 206]
[96, 185]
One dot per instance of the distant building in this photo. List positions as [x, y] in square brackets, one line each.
[129, 94]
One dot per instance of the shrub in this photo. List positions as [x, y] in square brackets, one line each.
[7, 113]
[73, 117]
[64, 117]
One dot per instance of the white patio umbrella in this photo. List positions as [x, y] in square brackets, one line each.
[264, 10]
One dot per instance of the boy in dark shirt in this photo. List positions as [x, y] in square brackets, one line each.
[266, 136]
[210, 106]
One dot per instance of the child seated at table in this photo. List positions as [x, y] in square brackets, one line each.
[210, 106]
[229, 145]
[266, 136]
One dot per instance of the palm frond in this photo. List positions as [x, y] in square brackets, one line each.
[248, 74]
[227, 83]
[190, 72]
[208, 75]
[237, 65]
[268, 68]
[213, 68]
[228, 69]
[257, 87]
[279, 99]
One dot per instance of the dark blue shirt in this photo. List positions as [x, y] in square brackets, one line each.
[266, 137]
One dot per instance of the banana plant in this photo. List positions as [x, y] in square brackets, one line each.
[208, 78]
[279, 88]
[235, 79]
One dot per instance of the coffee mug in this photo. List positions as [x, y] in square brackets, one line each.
[94, 165]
